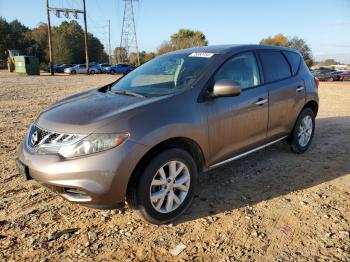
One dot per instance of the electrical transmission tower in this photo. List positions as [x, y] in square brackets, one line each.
[128, 40]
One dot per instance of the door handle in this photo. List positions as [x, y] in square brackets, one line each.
[261, 101]
[300, 88]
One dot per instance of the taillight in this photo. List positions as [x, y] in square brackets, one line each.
[317, 82]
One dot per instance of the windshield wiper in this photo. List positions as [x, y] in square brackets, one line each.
[127, 93]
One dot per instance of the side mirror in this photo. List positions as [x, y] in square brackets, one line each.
[226, 87]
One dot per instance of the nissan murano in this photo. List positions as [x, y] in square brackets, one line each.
[146, 138]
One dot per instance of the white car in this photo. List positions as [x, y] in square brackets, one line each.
[80, 69]
[105, 67]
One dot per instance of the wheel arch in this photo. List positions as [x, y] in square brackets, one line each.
[186, 144]
[313, 105]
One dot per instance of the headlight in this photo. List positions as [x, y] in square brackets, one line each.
[92, 144]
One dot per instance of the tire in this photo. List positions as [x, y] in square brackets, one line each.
[302, 129]
[113, 72]
[73, 72]
[140, 191]
[92, 72]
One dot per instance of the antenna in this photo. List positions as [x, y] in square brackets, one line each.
[128, 40]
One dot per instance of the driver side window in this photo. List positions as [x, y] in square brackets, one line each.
[242, 69]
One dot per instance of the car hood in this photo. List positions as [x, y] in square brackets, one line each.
[84, 113]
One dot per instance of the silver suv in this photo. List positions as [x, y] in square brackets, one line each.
[147, 137]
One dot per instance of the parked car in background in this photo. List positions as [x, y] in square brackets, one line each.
[345, 75]
[147, 137]
[316, 72]
[81, 69]
[97, 67]
[105, 67]
[60, 69]
[121, 69]
[55, 66]
[328, 76]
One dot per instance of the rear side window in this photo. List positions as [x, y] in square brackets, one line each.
[294, 60]
[275, 66]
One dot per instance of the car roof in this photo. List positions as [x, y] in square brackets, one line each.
[224, 49]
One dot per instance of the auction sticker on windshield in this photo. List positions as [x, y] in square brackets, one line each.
[202, 54]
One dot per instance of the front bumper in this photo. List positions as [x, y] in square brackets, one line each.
[99, 180]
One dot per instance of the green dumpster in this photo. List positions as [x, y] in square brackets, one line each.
[28, 65]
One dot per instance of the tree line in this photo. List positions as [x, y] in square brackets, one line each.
[186, 38]
[67, 42]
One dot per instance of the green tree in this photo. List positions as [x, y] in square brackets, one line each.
[69, 47]
[184, 38]
[39, 36]
[96, 50]
[5, 38]
[300, 45]
[14, 35]
[67, 42]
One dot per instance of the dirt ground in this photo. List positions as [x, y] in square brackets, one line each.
[270, 206]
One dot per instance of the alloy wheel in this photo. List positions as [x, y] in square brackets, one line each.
[305, 131]
[170, 186]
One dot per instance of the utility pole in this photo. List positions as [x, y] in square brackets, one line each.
[86, 40]
[67, 12]
[128, 39]
[109, 42]
[49, 36]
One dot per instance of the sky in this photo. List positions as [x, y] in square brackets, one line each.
[324, 24]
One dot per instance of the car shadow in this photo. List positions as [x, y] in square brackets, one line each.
[273, 172]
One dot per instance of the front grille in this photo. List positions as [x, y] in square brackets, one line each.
[39, 137]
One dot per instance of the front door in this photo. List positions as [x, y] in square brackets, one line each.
[237, 124]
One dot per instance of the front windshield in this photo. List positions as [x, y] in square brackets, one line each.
[163, 75]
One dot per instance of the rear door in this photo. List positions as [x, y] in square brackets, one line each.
[237, 124]
[285, 88]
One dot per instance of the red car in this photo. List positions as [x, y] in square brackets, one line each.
[344, 76]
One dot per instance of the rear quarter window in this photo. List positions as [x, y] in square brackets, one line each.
[275, 66]
[294, 60]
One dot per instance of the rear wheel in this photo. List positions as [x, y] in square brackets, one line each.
[113, 72]
[303, 131]
[165, 187]
[73, 72]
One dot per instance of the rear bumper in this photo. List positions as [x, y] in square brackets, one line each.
[99, 180]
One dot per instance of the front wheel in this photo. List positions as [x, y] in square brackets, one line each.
[165, 187]
[303, 131]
